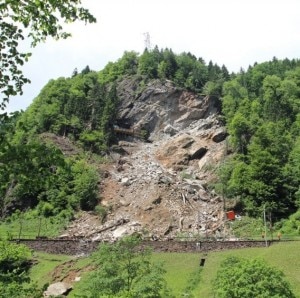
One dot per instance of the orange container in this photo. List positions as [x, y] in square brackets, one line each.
[230, 215]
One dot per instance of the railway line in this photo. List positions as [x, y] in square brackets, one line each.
[81, 246]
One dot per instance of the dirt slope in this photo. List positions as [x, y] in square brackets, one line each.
[160, 188]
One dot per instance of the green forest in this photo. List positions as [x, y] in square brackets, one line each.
[53, 154]
[260, 108]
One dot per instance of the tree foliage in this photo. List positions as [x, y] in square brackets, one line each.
[185, 70]
[125, 270]
[261, 109]
[250, 278]
[82, 108]
[14, 260]
[14, 265]
[36, 20]
[35, 173]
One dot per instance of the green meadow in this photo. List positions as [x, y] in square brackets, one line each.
[284, 256]
[181, 267]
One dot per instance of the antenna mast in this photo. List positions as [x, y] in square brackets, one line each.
[147, 41]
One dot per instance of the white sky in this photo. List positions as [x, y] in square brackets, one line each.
[235, 33]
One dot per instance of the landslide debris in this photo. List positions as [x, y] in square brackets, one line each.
[160, 187]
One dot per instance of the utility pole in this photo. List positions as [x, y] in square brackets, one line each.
[224, 211]
[265, 222]
[271, 225]
[223, 189]
[198, 224]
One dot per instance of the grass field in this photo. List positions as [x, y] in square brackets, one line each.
[284, 256]
[46, 263]
[29, 227]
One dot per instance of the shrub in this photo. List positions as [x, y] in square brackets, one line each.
[250, 278]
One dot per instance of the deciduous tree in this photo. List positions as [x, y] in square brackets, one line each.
[14, 264]
[250, 278]
[122, 270]
[36, 20]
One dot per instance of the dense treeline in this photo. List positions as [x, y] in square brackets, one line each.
[262, 112]
[260, 109]
[78, 107]
[185, 70]
[35, 173]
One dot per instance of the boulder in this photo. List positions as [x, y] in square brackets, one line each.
[57, 289]
[220, 135]
[199, 153]
[125, 181]
[120, 232]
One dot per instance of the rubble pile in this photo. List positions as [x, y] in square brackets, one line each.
[160, 187]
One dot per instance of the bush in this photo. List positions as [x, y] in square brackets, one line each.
[14, 260]
[122, 270]
[290, 226]
[250, 278]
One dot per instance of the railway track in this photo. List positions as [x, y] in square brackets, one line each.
[83, 246]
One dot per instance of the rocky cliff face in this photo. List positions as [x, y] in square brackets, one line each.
[162, 108]
[160, 187]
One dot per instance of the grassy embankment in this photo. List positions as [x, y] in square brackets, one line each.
[284, 256]
[29, 226]
[180, 266]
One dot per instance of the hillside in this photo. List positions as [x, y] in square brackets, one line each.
[161, 187]
[160, 144]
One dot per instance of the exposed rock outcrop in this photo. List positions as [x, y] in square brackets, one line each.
[162, 106]
[160, 188]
